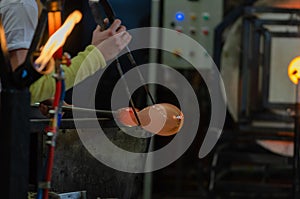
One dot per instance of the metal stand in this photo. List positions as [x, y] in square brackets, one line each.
[296, 166]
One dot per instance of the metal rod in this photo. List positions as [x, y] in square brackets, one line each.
[133, 63]
[111, 17]
[95, 9]
[98, 18]
[296, 161]
[103, 113]
[127, 90]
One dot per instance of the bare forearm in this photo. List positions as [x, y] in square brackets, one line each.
[17, 57]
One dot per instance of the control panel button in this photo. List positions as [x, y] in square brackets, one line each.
[205, 16]
[179, 16]
[193, 31]
[193, 16]
[205, 30]
[179, 28]
[173, 24]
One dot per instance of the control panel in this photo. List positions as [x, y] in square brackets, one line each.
[196, 19]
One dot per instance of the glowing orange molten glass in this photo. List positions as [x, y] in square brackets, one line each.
[57, 39]
[294, 70]
[126, 116]
[162, 119]
[288, 4]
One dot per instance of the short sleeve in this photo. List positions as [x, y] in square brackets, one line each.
[19, 20]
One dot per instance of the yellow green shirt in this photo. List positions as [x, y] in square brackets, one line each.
[88, 61]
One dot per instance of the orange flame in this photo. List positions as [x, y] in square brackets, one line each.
[294, 70]
[57, 40]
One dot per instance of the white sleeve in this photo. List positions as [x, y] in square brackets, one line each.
[19, 20]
